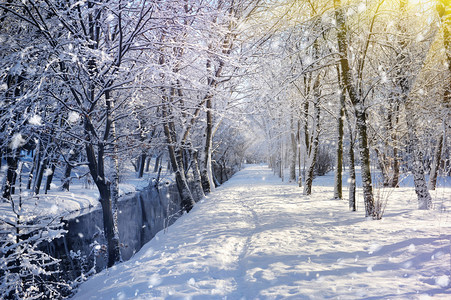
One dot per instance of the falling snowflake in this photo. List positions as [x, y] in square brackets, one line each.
[17, 141]
[73, 117]
[442, 281]
[361, 8]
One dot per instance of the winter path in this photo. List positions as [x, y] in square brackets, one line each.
[258, 238]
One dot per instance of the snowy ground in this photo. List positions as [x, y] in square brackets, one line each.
[83, 194]
[259, 238]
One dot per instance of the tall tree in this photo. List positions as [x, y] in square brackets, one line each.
[405, 82]
[338, 184]
[358, 101]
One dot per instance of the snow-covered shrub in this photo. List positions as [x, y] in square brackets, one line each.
[82, 266]
[381, 196]
[324, 161]
[27, 272]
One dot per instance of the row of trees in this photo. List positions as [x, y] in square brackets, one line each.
[91, 84]
[338, 76]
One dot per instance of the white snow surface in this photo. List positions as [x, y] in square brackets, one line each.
[258, 238]
[82, 195]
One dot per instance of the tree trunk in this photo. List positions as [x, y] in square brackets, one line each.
[141, 164]
[207, 173]
[306, 131]
[108, 223]
[157, 163]
[176, 159]
[394, 136]
[293, 152]
[444, 11]
[96, 168]
[224, 169]
[403, 79]
[281, 170]
[364, 155]
[215, 180]
[421, 189]
[50, 177]
[383, 166]
[352, 178]
[395, 178]
[68, 169]
[187, 200]
[299, 153]
[115, 179]
[36, 158]
[424, 197]
[198, 190]
[66, 179]
[46, 151]
[436, 164]
[148, 163]
[359, 110]
[12, 160]
[40, 175]
[313, 152]
[338, 186]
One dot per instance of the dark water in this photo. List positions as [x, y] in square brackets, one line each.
[140, 217]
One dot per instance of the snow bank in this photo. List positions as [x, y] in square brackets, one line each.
[83, 194]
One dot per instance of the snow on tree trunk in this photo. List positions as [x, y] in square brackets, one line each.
[395, 178]
[314, 151]
[198, 190]
[364, 155]
[338, 182]
[352, 182]
[176, 159]
[97, 171]
[12, 160]
[394, 137]
[48, 183]
[280, 170]
[294, 147]
[421, 188]
[36, 158]
[73, 154]
[187, 200]
[293, 161]
[115, 177]
[66, 177]
[359, 109]
[383, 166]
[444, 10]
[298, 136]
[207, 172]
